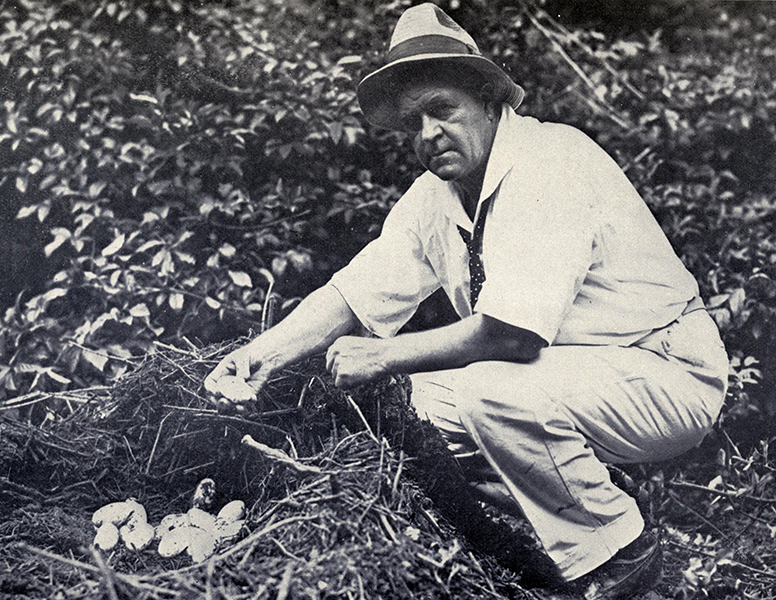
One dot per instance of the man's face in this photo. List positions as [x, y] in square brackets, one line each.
[451, 130]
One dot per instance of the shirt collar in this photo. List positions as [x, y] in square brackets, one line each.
[502, 153]
[500, 162]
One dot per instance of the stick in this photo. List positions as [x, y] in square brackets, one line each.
[279, 456]
[723, 493]
[673, 497]
[770, 574]
[106, 574]
[156, 441]
[127, 579]
[285, 582]
[362, 417]
[575, 40]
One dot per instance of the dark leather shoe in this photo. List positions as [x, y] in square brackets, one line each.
[634, 570]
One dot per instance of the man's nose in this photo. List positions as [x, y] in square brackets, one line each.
[429, 128]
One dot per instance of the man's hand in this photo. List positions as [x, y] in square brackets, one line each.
[356, 360]
[247, 364]
[318, 320]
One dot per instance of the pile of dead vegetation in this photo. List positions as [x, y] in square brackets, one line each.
[350, 495]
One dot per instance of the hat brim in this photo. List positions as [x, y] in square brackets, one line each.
[378, 91]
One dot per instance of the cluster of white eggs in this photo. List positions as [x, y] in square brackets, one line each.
[197, 531]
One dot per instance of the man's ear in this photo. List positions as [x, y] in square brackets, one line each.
[486, 94]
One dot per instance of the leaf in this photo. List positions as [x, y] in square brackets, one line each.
[21, 184]
[96, 188]
[227, 250]
[736, 302]
[351, 59]
[717, 301]
[61, 235]
[35, 166]
[212, 303]
[114, 246]
[176, 301]
[56, 376]
[241, 279]
[140, 311]
[26, 211]
[143, 98]
[53, 294]
[149, 244]
[335, 131]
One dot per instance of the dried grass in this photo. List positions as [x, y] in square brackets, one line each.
[351, 497]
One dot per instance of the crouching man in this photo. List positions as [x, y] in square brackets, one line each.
[581, 339]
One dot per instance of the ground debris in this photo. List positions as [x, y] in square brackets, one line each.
[357, 508]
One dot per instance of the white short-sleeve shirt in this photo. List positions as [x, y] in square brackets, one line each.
[570, 250]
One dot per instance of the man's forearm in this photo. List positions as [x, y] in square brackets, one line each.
[473, 339]
[319, 319]
[353, 361]
[312, 326]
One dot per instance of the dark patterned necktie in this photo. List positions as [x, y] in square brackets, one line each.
[473, 243]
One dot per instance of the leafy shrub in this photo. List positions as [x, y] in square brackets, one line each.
[170, 166]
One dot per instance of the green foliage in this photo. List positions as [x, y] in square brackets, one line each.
[183, 162]
[171, 165]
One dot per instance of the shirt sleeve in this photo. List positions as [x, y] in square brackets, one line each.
[538, 240]
[387, 280]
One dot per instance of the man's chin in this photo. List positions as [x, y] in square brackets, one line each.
[446, 172]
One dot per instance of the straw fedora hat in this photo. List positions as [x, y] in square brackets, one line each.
[425, 36]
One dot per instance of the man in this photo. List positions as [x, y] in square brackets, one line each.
[582, 339]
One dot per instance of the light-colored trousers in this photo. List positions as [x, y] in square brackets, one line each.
[546, 428]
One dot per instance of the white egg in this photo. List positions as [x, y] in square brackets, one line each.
[235, 389]
[115, 513]
[175, 541]
[202, 545]
[107, 537]
[233, 511]
[201, 519]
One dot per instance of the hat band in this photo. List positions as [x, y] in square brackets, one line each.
[428, 44]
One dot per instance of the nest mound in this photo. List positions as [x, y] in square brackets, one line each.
[350, 495]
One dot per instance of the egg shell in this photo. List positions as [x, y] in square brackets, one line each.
[115, 513]
[232, 511]
[202, 545]
[201, 519]
[235, 389]
[107, 537]
[175, 541]
[228, 531]
[170, 522]
[138, 510]
[140, 537]
[204, 494]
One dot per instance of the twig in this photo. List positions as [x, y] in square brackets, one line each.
[192, 353]
[252, 538]
[156, 442]
[362, 417]
[211, 565]
[770, 574]
[285, 582]
[689, 509]
[275, 455]
[268, 310]
[723, 493]
[106, 574]
[611, 112]
[126, 579]
[575, 40]
[38, 396]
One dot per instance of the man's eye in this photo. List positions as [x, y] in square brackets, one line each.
[410, 124]
[442, 112]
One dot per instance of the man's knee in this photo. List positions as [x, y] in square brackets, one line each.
[495, 389]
